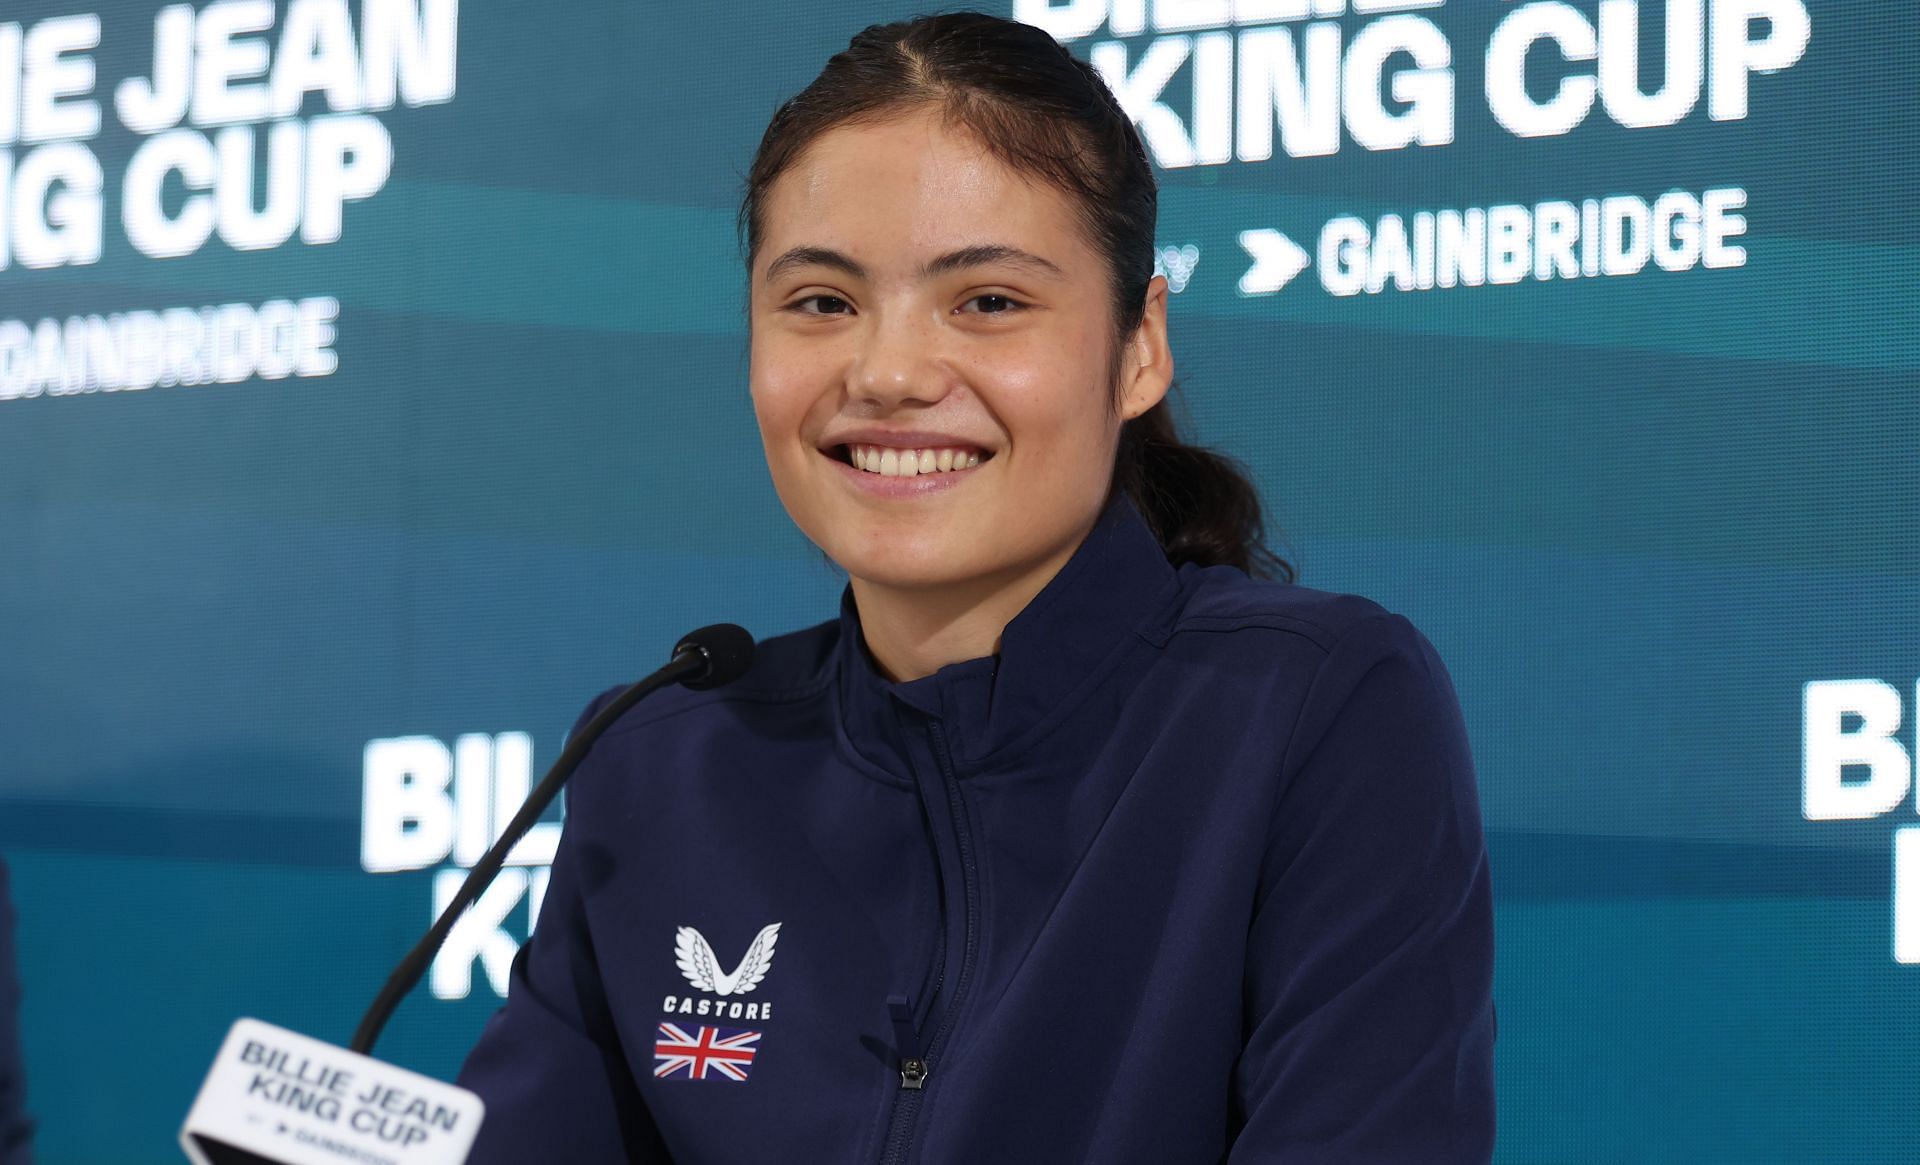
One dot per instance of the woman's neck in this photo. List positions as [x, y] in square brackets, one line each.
[915, 631]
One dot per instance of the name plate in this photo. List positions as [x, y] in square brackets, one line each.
[287, 1099]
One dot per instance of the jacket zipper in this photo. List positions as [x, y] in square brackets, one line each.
[916, 1070]
[969, 880]
[906, 1041]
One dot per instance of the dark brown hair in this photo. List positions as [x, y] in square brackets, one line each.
[1042, 111]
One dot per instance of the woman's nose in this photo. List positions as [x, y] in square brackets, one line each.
[897, 362]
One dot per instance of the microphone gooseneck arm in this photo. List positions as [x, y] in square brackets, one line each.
[706, 658]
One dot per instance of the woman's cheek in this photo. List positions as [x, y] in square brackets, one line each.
[780, 403]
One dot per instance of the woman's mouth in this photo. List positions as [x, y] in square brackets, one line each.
[887, 461]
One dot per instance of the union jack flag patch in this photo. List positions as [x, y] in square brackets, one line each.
[703, 1053]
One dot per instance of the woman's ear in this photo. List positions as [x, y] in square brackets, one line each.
[1147, 369]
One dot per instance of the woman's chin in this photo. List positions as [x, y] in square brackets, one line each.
[932, 561]
[896, 575]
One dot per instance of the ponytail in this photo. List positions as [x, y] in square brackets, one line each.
[1199, 504]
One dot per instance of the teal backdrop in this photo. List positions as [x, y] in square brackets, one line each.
[378, 370]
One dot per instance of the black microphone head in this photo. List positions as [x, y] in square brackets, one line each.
[727, 649]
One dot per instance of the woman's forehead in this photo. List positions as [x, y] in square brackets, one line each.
[912, 144]
[917, 189]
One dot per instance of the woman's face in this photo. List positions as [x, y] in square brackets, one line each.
[931, 334]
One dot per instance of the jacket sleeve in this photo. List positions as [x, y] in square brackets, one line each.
[1369, 988]
[548, 1064]
[16, 1131]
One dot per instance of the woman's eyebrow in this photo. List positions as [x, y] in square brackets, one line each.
[984, 253]
[974, 256]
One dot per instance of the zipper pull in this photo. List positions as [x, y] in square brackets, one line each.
[906, 1041]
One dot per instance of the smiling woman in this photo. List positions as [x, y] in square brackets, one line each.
[1079, 840]
[922, 295]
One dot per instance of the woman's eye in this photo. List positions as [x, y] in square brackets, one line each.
[1002, 304]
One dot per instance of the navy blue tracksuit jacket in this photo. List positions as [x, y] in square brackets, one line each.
[1191, 871]
[16, 1130]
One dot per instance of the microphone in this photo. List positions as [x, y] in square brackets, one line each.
[706, 658]
[279, 1092]
[726, 649]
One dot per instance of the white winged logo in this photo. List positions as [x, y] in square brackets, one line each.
[695, 956]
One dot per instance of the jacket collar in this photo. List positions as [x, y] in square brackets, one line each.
[1116, 586]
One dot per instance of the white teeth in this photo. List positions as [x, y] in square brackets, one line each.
[891, 462]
